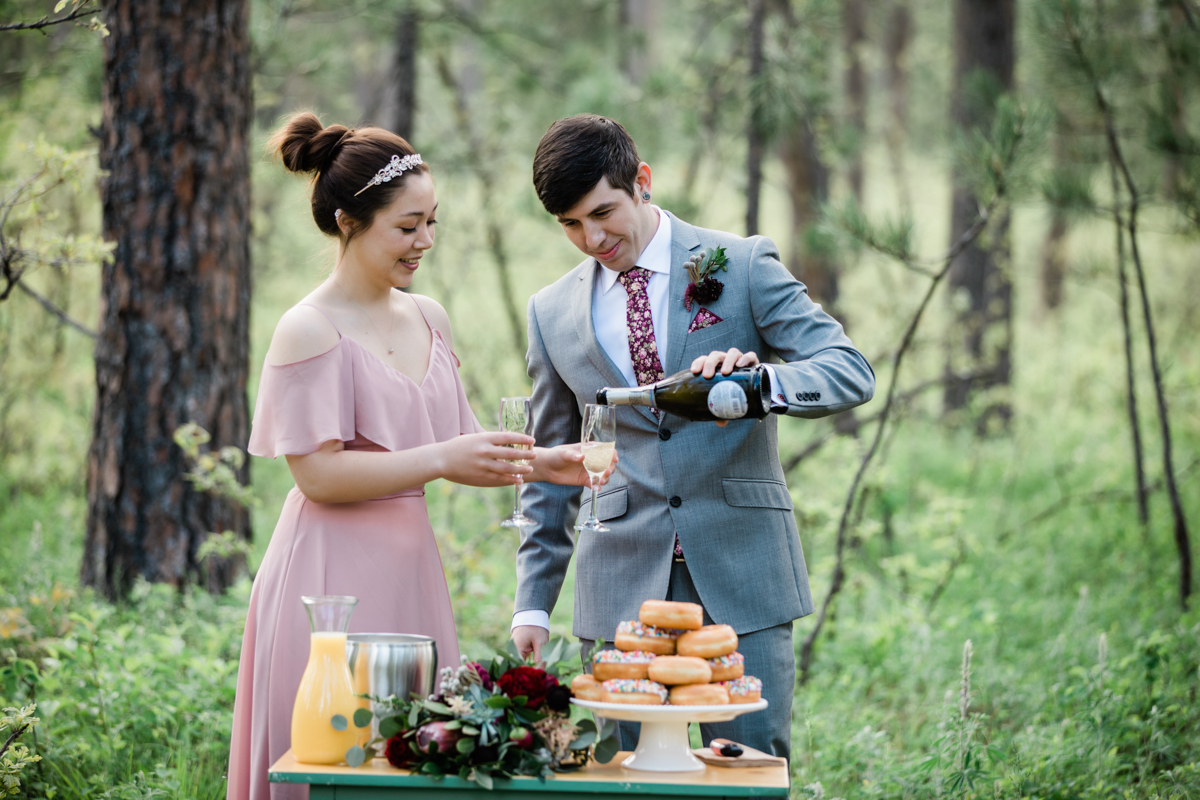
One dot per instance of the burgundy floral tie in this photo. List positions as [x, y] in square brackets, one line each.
[643, 349]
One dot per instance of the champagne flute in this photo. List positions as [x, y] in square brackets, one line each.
[516, 416]
[599, 441]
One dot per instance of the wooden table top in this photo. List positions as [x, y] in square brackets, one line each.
[595, 778]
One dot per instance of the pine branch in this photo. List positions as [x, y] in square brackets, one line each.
[46, 22]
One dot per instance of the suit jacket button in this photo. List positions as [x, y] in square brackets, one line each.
[818, 395]
[664, 433]
[800, 396]
[676, 501]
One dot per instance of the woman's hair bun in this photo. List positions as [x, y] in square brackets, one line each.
[304, 145]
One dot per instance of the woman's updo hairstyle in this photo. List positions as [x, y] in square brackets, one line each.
[342, 160]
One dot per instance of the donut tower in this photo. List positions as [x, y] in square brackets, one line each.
[668, 655]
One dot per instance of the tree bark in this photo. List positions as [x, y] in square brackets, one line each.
[638, 23]
[980, 279]
[895, 45]
[174, 310]
[854, 41]
[808, 187]
[755, 135]
[404, 70]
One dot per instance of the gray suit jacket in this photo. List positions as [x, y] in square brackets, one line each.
[721, 489]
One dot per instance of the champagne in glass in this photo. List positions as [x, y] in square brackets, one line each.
[516, 416]
[599, 440]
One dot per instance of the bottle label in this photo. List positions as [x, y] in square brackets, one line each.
[727, 400]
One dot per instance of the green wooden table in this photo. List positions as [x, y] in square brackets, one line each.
[378, 780]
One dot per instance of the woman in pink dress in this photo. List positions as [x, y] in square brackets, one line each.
[360, 392]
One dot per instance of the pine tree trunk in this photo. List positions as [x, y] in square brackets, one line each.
[174, 313]
[854, 41]
[638, 23]
[980, 343]
[404, 70]
[895, 45]
[755, 137]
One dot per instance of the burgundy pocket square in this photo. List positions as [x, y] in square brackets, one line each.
[703, 319]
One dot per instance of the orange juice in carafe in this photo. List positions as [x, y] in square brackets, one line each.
[326, 690]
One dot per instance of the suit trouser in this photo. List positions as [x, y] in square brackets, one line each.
[770, 656]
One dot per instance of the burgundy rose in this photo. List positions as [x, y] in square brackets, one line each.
[558, 697]
[531, 682]
[436, 733]
[398, 753]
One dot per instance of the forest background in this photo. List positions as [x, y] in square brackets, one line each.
[998, 543]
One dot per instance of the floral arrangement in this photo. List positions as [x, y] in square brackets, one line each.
[704, 287]
[506, 719]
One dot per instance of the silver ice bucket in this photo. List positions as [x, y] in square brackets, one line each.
[391, 664]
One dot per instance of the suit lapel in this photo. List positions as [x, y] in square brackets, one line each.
[581, 312]
[683, 241]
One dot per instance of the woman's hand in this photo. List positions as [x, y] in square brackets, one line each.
[481, 459]
[564, 465]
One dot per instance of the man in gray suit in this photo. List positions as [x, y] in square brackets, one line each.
[695, 513]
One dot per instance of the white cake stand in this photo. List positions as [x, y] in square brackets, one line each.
[663, 745]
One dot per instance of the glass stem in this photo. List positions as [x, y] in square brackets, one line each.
[592, 482]
[517, 501]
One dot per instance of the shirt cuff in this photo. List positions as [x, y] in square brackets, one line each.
[778, 398]
[532, 617]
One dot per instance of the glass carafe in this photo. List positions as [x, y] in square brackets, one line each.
[326, 690]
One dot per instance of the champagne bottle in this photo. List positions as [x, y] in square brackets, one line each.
[743, 394]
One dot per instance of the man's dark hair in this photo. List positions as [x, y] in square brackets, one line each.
[576, 153]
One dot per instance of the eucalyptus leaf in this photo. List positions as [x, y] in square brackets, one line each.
[363, 717]
[339, 722]
[414, 714]
[390, 726]
[607, 749]
[454, 724]
[586, 725]
[555, 653]
[497, 701]
[469, 730]
[465, 745]
[583, 740]
[355, 756]
[437, 708]
[484, 780]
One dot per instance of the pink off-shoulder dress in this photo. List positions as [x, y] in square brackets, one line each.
[381, 551]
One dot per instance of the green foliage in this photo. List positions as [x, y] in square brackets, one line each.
[15, 756]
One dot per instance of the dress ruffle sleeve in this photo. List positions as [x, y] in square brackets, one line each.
[302, 405]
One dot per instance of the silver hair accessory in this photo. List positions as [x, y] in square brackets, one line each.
[337, 214]
[393, 169]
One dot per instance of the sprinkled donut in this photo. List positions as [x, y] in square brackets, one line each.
[634, 692]
[747, 689]
[611, 664]
[634, 634]
[727, 668]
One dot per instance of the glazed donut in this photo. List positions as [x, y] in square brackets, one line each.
[711, 641]
[586, 687]
[636, 635]
[727, 668]
[678, 670]
[611, 664]
[668, 614]
[635, 692]
[699, 694]
[747, 689]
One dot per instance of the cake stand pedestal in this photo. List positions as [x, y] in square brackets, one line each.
[663, 745]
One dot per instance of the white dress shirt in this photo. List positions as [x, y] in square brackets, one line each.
[609, 300]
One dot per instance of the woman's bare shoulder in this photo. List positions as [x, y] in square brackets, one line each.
[303, 332]
[436, 315]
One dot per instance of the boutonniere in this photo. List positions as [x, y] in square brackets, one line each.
[704, 288]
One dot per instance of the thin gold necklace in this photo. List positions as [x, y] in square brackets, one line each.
[391, 329]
